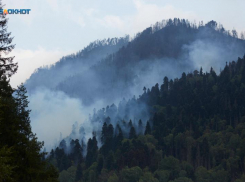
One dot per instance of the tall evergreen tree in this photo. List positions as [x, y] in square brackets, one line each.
[140, 127]
[79, 173]
[7, 67]
[147, 128]
[92, 149]
[132, 133]
[104, 133]
[16, 138]
[119, 137]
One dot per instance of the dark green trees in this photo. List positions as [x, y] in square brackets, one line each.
[195, 132]
[20, 152]
[107, 138]
[79, 172]
[16, 135]
[7, 67]
[119, 137]
[148, 128]
[132, 133]
[76, 153]
[92, 151]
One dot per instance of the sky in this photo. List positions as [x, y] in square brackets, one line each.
[56, 28]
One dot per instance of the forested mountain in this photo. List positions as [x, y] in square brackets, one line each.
[188, 128]
[195, 132]
[51, 76]
[171, 46]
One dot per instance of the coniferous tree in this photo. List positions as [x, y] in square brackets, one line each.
[79, 173]
[148, 128]
[201, 125]
[77, 152]
[104, 133]
[7, 67]
[63, 145]
[108, 141]
[16, 133]
[140, 127]
[132, 133]
[130, 124]
[16, 138]
[100, 163]
[92, 149]
[119, 137]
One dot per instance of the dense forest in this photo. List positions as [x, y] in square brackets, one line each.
[21, 156]
[196, 132]
[189, 128]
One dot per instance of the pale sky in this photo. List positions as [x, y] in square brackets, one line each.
[55, 28]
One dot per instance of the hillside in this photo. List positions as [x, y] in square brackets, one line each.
[171, 47]
[195, 132]
[51, 76]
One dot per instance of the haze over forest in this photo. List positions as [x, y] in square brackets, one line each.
[111, 70]
[164, 105]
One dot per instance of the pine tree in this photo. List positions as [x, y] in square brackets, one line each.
[104, 133]
[100, 163]
[16, 138]
[5, 167]
[144, 89]
[76, 154]
[16, 133]
[132, 133]
[63, 145]
[201, 72]
[140, 127]
[155, 121]
[22, 111]
[7, 67]
[130, 124]
[148, 129]
[92, 149]
[119, 137]
[79, 173]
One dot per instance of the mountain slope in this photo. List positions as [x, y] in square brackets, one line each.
[51, 76]
[170, 47]
[196, 132]
[177, 47]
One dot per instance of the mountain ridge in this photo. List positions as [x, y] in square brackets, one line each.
[174, 44]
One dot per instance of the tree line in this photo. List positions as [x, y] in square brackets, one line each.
[196, 132]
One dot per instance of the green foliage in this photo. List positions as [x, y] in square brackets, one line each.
[131, 174]
[132, 133]
[203, 175]
[220, 175]
[92, 151]
[68, 175]
[113, 178]
[5, 167]
[19, 146]
[196, 133]
[162, 175]
[182, 179]
[148, 177]
[79, 172]
[92, 176]
[20, 151]
[7, 66]
[171, 164]
[148, 129]
[241, 179]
